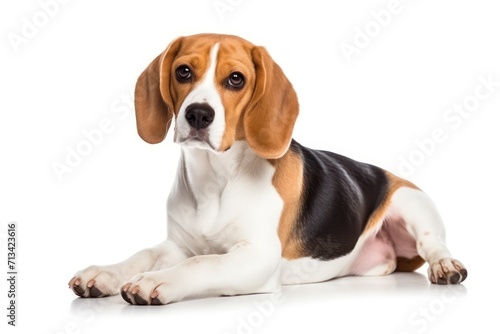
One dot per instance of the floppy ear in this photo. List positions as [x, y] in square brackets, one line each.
[270, 116]
[153, 102]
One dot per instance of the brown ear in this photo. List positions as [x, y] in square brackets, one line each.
[153, 102]
[271, 114]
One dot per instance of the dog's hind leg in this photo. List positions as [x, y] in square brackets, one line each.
[421, 220]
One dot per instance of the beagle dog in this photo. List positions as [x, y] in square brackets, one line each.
[251, 209]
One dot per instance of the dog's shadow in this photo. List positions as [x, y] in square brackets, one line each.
[408, 285]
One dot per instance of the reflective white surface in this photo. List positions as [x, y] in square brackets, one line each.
[399, 303]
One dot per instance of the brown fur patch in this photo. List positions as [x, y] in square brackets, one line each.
[234, 56]
[288, 181]
[158, 95]
[407, 265]
[377, 216]
[270, 117]
[195, 53]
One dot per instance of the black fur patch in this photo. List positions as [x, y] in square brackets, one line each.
[338, 198]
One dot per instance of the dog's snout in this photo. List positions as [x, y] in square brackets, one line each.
[199, 115]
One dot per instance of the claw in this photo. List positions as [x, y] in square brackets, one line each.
[126, 298]
[155, 301]
[79, 290]
[463, 272]
[95, 292]
[139, 300]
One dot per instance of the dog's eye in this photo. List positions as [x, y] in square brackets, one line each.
[236, 80]
[183, 73]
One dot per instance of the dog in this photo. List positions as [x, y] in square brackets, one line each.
[250, 206]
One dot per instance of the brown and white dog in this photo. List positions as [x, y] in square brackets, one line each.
[250, 206]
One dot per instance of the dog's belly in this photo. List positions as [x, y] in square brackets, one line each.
[311, 270]
[371, 256]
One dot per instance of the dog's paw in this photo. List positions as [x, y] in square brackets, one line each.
[96, 281]
[150, 288]
[447, 271]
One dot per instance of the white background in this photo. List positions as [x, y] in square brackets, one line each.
[79, 68]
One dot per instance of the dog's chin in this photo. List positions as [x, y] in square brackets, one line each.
[198, 143]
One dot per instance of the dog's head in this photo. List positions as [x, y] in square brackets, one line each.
[220, 89]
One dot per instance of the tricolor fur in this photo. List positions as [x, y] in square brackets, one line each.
[250, 205]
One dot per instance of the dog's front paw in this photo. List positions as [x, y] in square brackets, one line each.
[96, 281]
[447, 271]
[151, 288]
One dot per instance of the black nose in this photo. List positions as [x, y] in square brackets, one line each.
[199, 115]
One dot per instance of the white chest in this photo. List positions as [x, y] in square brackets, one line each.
[220, 200]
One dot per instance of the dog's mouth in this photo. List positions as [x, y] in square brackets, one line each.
[197, 138]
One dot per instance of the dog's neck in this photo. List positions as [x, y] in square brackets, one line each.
[201, 163]
[206, 173]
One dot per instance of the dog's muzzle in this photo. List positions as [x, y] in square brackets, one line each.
[199, 116]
